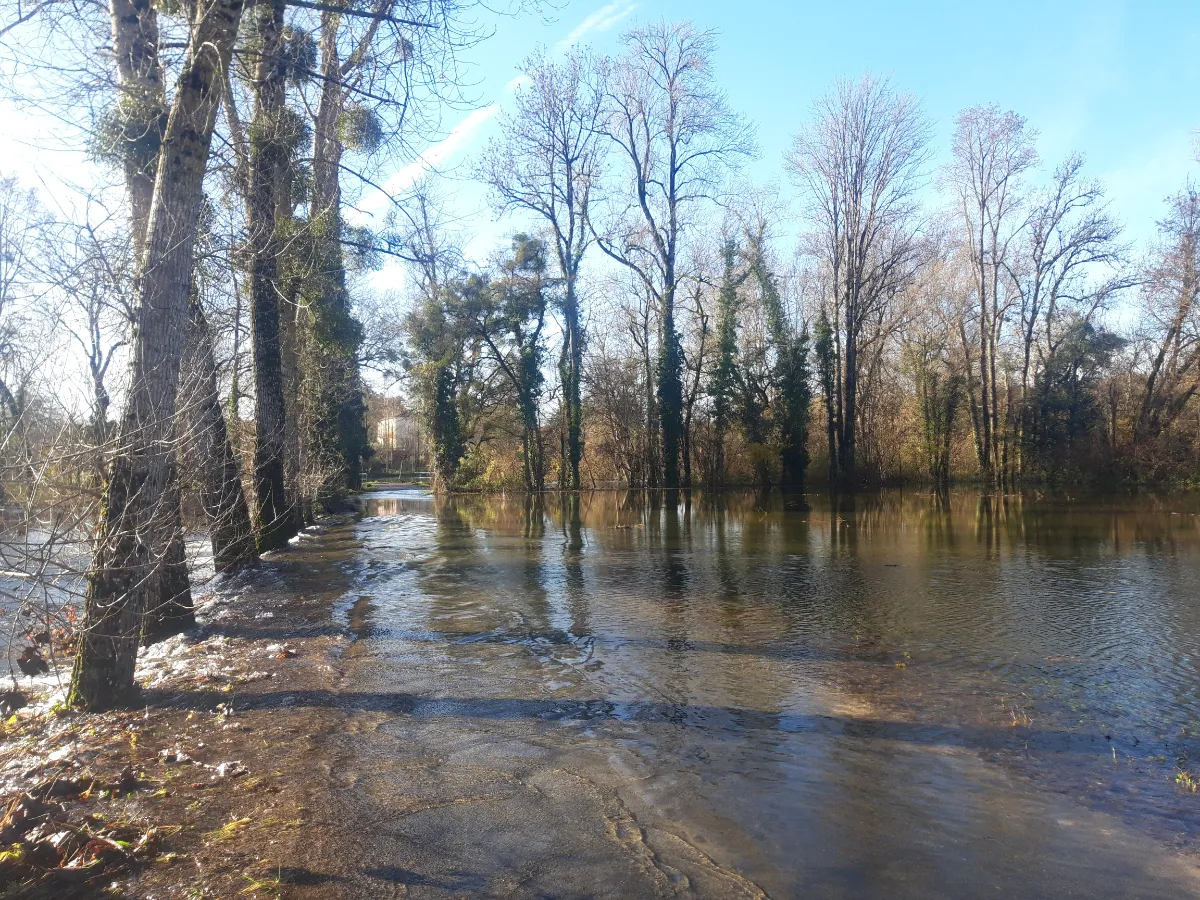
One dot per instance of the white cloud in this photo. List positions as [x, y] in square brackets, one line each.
[459, 136]
[601, 20]
[465, 132]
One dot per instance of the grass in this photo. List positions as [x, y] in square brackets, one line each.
[267, 885]
[228, 831]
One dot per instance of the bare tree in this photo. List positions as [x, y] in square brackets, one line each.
[860, 162]
[1171, 305]
[547, 163]
[1069, 268]
[671, 124]
[992, 151]
[22, 228]
[931, 355]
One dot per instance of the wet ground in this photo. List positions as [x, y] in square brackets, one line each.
[753, 696]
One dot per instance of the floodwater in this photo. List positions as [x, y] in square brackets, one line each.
[748, 695]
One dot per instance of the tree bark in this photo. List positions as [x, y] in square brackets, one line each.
[572, 369]
[207, 440]
[141, 102]
[670, 393]
[143, 115]
[170, 609]
[276, 514]
[133, 521]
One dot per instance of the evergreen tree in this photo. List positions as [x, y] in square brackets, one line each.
[723, 381]
[792, 391]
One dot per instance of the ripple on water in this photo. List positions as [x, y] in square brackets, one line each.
[800, 684]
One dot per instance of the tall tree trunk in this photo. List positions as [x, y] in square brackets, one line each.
[141, 103]
[984, 442]
[847, 448]
[650, 471]
[170, 610]
[213, 456]
[993, 381]
[290, 337]
[573, 368]
[276, 513]
[143, 114]
[337, 419]
[132, 522]
[670, 394]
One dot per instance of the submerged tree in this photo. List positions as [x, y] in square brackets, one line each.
[675, 132]
[547, 163]
[826, 357]
[722, 382]
[932, 357]
[271, 140]
[1066, 409]
[508, 314]
[993, 150]
[791, 392]
[860, 162]
[1069, 271]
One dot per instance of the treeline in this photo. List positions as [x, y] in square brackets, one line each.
[982, 319]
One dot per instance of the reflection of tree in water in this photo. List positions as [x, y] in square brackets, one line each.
[843, 524]
[535, 516]
[727, 578]
[445, 577]
[574, 585]
[534, 577]
[937, 516]
[674, 534]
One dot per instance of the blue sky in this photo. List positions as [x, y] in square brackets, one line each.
[1118, 81]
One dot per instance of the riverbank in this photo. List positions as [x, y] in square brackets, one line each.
[216, 786]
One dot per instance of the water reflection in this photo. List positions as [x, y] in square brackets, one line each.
[758, 681]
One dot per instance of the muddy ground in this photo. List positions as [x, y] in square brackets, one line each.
[215, 786]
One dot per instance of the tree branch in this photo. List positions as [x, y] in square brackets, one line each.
[364, 14]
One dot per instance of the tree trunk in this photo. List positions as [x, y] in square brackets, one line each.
[290, 336]
[984, 441]
[847, 445]
[143, 115]
[670, 395]
[141, 103]
[339, 432]
[573, 353]
[276, 514]
[170, 610]
[133, 520]
[212, 455]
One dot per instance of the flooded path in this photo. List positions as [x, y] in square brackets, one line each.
[744, 698]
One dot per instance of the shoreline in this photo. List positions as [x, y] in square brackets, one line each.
[1035, 490]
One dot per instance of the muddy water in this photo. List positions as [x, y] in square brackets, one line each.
[742, 697]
